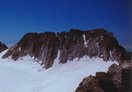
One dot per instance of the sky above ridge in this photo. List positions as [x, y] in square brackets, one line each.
[18, 17]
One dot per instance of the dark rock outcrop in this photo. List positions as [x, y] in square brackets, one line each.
[75, 43]
[102, 82]
[117, 79]
[121, 76]
[2, 47]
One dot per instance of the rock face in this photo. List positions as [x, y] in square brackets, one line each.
[75, 43]
[117, 79]
[43, 46]
[121, 76]
[102, 82]
[2, 47]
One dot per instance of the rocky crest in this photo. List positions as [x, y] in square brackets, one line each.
[2, 47]
[102, 82]
[121, 76]
[72, 44]
[117, 79]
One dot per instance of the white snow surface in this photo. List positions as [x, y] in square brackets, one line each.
[26, 75]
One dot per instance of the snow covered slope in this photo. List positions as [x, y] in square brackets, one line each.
[26, 75]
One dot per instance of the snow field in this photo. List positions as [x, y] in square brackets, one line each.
[26, 75]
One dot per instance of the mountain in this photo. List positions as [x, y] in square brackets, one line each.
[73, 44]
[2, 47]
[66, 58]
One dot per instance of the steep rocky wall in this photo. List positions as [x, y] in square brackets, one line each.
[75, 43]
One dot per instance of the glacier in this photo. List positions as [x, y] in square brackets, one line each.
[26, 75]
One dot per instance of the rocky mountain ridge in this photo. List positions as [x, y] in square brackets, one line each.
[44, 47]
[75, 43]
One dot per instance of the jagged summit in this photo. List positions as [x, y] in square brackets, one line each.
[2, 47]
[75, 43]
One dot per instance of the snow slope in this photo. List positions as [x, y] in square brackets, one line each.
[26, 75]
